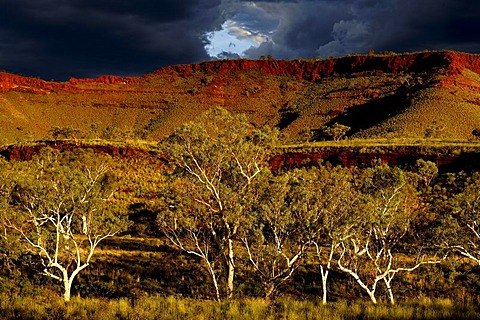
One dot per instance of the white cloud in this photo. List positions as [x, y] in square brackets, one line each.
[247, 26]
[230, 39]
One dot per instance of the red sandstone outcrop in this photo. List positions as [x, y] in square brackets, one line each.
[400, 156]
[18, 83]
[445, 62]
[312, 70]
[12, 82]
[445, 159]
[109, 79]
[19, 152]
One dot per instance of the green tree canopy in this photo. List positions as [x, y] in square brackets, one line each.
[61, 208]
[389, 205]
[459, 229]
[218, 158]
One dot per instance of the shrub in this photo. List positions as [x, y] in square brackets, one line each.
[337, 131]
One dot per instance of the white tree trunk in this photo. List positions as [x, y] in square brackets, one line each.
[214, 278]
[371, 294]
[67, 283]
[324, 273]
[231, 269]
[269, 289]
[217, 289]
[355, 275]
[389, 291]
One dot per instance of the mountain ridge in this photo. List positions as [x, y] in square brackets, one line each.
[388, 95]
[310, 70]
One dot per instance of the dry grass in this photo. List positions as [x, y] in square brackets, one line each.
[160, 307]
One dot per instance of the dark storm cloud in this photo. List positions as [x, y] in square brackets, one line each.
[323, 28]
[84, 38]
[303, 26]
[58, 39]
[429, 24]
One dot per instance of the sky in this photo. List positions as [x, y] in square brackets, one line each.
[59, 39]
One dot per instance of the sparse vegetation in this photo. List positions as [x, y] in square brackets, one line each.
[381, 100]
[64, 133]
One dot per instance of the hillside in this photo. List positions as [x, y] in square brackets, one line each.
[406, 95]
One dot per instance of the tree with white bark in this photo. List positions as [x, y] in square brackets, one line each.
[61, 207]
[183, 222]
[330, 197]
[459, 230]
[374, 253]
[218, 158]
[295, 210]
[275, 242]
[8, 242]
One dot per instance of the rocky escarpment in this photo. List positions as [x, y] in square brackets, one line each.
[312, 70]
[108, 79]
[447, 62]
[27, 152]
[377, 96]
[448, 159]
[12, 82]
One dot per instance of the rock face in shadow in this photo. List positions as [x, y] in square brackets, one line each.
[26, 152]
[447, 159]
[400, 156]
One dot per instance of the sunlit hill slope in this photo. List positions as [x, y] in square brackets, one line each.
[392, 96]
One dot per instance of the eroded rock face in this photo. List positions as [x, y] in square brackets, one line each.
[446, 160]
[400, 156]
[451, 63]
[314, 70]
[26, 153]
[108, 79]
[11, 82]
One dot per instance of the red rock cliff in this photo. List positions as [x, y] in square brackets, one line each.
[311, 70]
[450, 63]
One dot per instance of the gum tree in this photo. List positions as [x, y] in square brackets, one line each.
[295, 210]
[460, 229]
[330, 197]
[182, 220]
[337, 131]
[376, 251]
[274, 242]
[62, 207]
[218, 158]
[8, 242]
